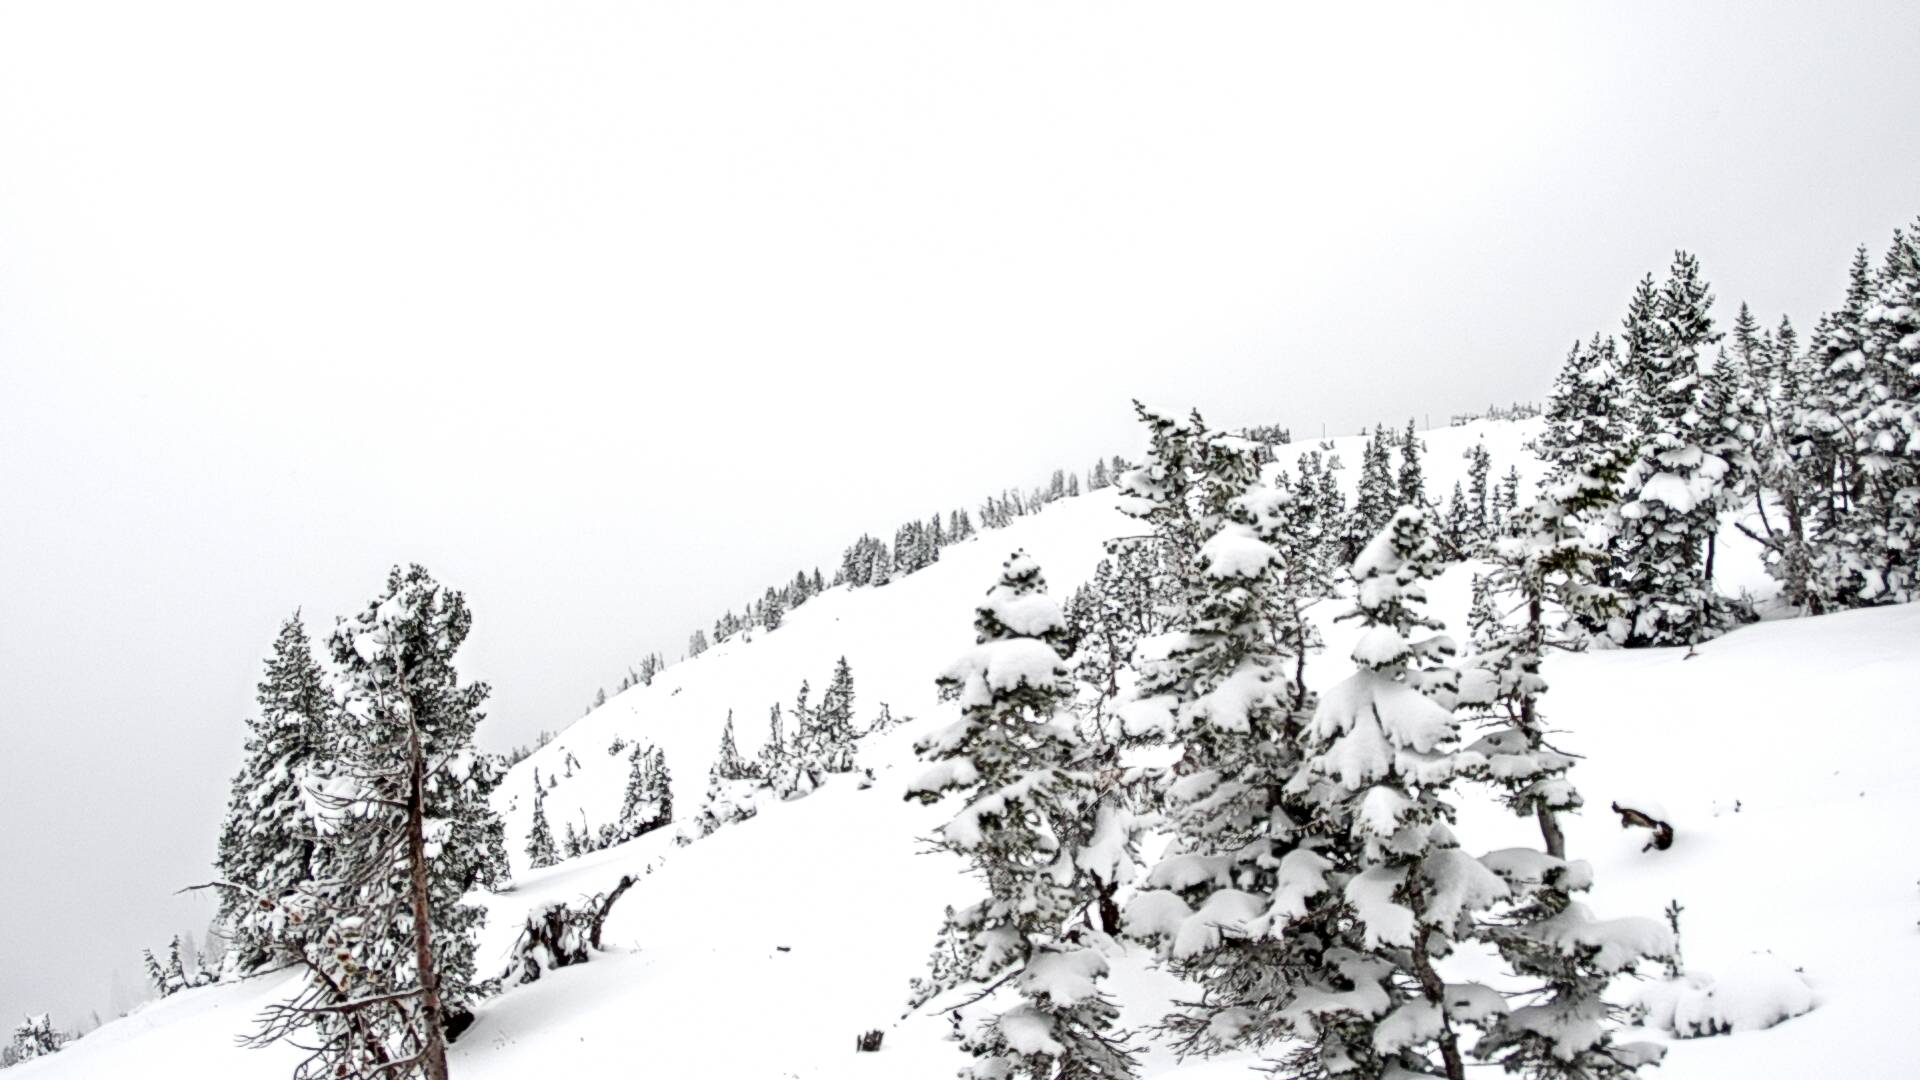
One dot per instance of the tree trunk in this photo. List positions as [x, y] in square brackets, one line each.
[433, 1054]
[1436, 993]
[1109, 910]
[1550, 829]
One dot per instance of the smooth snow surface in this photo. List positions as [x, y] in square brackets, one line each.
[1786, 751]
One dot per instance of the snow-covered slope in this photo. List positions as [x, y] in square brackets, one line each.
[1785, 753]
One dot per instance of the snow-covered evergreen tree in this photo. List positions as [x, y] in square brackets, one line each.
[1543, 934]
[732, 786]
[1778, 487]
[541, 851]
[1223, 686]
[1478, 527]
[1411, 483]
[388, 938]
[1675, 488]
[647, 803]
[34, 1037]
[268, 843]
[1381, 757]
[1377, 494]
[1876, 402]
[830, 738]
[773, 753]
[728, 761]
[1586, 412]
[1024, 831]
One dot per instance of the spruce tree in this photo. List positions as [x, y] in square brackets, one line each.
[1881, 546]
[1479, 526]
[268, 843]
[1778, 486]
[773, 753]
[389, 940]
[1023, 831]
[647, 803]
[34, 1037]
[540, 847]
[1380, 759]
[1675, 488]
[1377, 496]
[1544, 934]
[732, 782]
[1224, 688]
[1412, 485]
[831, 737]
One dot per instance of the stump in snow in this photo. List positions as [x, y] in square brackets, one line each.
[558, 936]
[1649, 816]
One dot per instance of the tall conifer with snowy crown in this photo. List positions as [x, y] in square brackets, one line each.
[389, 939]
[1381, 757]
[1411, 483]
[1222, 686]
[541, 851]
[268, 844]
[1675, 490]
[1586, 412]
[1880, 543]
[1560, 1030]
[1023, 830]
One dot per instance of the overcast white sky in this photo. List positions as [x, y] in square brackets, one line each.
[612, 313]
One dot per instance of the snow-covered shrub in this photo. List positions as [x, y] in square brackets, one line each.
[1755, 991]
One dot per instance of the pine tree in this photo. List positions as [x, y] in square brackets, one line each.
[1730, 424]
[1023, 830]
[1376, 497]
[540, 848]
[1224, 688]
[1479, 529]
[1881, 546]
[1777, 485]
[34, 1037]
[1546, 936]
[832, 735]
[1675, 487]
[1381, 757]
[696, 644]
[773, 610]
[731, 786]
[647, 803]
[1586, 412]
[773, 753]
[1412, 484]
[156, 974]
[269, 840]
[389, 945]
[728, 762]
[1457, 526]
[177, 976]
[1331, 508]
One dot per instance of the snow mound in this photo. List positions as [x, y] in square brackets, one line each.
[1755, 992]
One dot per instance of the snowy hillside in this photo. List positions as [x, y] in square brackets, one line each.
[1783, 754]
